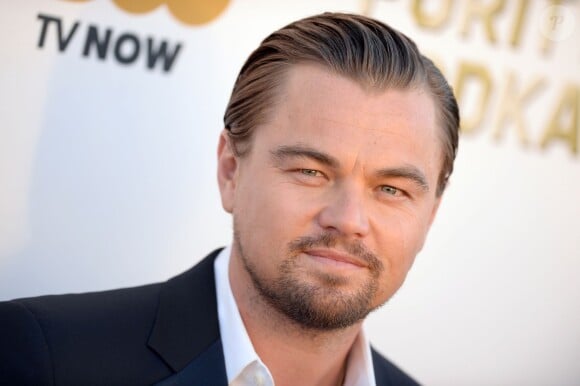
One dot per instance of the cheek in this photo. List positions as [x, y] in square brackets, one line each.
[400, 240]
[269, 217]
[401, 234]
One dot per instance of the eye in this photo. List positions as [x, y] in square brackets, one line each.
[391, 191]
[311, 172]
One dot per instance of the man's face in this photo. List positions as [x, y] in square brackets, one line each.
[335, 198]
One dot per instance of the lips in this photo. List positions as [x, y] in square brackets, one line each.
[336, 257]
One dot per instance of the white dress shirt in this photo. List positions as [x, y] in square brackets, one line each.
[243, 366]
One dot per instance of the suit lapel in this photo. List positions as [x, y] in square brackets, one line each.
[186, 330]
[207, 369]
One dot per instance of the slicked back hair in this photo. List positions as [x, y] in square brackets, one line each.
[365, 50]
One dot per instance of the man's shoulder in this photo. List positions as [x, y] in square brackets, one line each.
[88, 303]
[92, 335]
[68, 336]
[103, 304]
[387, 373]
[85, 314]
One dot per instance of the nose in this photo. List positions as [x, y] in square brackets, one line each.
[345, 212]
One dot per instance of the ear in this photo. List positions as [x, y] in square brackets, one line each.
[227, 171]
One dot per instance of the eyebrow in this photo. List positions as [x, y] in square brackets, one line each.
[304, 151]
[409, 172]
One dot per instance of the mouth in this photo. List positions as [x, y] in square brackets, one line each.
[336, 258]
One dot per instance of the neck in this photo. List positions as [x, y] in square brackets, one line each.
[288, 349]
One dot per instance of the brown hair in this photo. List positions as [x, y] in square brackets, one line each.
[354, 46]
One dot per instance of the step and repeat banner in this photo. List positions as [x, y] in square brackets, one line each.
[110, 111]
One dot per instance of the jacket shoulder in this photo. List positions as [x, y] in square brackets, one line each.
[76, 336]
[387, 373]
[24, 355]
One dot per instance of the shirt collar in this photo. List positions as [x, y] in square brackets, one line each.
[359, 367]
[239, 351]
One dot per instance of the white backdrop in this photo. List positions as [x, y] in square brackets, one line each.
[107, 168]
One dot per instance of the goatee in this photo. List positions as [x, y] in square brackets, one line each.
[323, 305]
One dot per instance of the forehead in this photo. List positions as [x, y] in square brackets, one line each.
[309, 87]
[337, 114]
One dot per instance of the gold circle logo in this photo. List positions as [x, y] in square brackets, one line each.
[190, 12]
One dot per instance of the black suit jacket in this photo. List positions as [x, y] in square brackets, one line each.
[161, 334]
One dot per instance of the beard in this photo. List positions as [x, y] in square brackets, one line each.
[323, 305]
